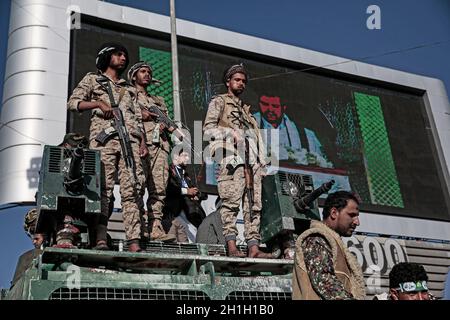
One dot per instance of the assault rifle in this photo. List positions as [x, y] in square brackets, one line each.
[163, 118]
[249, 181]
[119, 128]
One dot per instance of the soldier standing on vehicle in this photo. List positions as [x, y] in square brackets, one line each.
[156, 165]
[224, 126]
[92, 94]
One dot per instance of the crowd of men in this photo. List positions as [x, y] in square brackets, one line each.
[323, 266]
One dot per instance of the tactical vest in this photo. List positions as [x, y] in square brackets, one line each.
[231, 117]
[346, 266]
[231, 113]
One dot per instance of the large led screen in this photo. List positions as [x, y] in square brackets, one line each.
[373, 139]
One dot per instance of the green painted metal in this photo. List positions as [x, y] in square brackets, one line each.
[161, 271]
[55, 161]
[279, 215]
[55, 199]
[89, 274]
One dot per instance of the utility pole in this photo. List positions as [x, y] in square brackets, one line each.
[176, 81]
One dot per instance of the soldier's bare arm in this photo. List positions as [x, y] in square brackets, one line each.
[80, 100]
[88, 105]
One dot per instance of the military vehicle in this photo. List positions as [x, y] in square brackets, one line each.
[70, 185]
[402, 175]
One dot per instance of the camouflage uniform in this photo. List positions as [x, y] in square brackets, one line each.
[324, 268]
[177, 230]
[156, 165]
[319, 263]
[111, 154]
[224, 114]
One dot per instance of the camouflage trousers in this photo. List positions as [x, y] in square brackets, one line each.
[178, 230]
[231, 190]
[156, 169]
[130, 190]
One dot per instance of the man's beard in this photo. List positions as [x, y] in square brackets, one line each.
[119, 68]
[238, 92]
[277, 120]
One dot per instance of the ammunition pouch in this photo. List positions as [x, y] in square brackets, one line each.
[105, 135]
[234, 163]
[155, 135]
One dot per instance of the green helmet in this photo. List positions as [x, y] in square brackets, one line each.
[30, 221]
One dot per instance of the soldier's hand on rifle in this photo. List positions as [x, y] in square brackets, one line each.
[106, 109]
[146, 115]
[153, 116]
[143, 150]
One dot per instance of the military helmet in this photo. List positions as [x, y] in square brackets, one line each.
[30, 221]
[74, 139]
[237, 68]
[104, 55]
[134, 68]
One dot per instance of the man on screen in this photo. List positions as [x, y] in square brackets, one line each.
[301, 146]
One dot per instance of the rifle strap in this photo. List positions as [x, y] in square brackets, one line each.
[121, 94]
[111, 96]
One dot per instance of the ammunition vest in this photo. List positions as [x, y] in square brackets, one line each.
[232, 116]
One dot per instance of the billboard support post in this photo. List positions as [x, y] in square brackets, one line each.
[176, 84]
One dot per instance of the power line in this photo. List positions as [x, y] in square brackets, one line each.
[361, 59]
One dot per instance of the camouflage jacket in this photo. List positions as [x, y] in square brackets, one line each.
[153, 137]
[90, 90]
[225, 114]
[318, 259]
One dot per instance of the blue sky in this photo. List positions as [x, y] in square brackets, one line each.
[335, 27]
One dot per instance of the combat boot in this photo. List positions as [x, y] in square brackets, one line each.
[158, 233]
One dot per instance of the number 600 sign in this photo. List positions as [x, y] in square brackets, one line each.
[372, 252]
